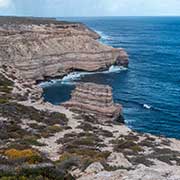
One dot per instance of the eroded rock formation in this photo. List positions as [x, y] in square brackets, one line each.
[41, 48]
[96, 100]
[62, 143]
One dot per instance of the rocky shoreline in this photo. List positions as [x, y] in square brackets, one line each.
[39, 140]
[46, 49]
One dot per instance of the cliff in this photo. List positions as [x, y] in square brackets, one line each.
[41, 141]
[42, 48]
[95, 100]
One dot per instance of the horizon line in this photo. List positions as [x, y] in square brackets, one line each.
[89, 16]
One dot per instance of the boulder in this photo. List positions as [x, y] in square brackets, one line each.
[105, 175]
[94, 168]
[118, 160]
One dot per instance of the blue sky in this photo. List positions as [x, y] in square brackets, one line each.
[90, 7]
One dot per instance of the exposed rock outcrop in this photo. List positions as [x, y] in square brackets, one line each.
[23, 90]
[42, 48]
[96, 100]
[80, 146]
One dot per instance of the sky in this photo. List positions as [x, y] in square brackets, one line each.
[65, 8]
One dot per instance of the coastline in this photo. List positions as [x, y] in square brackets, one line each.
[73, 76]
[128, 168]
[101, 150]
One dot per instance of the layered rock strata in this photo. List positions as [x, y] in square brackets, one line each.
[42, 48]
[23, 90]
[96, 100]
[63, 142]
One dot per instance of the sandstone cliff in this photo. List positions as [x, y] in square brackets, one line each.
[95, 100]
[41, 48]
[40, 140]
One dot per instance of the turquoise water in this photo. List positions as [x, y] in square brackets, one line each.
[149, 89]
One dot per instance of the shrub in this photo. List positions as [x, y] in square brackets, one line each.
[105, 133]
[124, 144]
[37, 173]
[15, 154]
[4, 81]
[29, 155]
[87, 141]
[5, 89]
[3, 100]
[141, 160]
[65, 156]
[86, 127]
[94, 155]
[31, 140]
[136, 148]
[54, 129]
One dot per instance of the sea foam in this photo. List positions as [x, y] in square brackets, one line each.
[103, 35]
[74, 76]
[146, 106]
[77, 75]
[116, 69]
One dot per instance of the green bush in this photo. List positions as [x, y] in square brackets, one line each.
[31, 140]
[5, 89]
[54, 129]
[124, 144]
[4, 81]
[3, 100]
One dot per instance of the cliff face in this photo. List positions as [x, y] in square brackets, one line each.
[96, 100]
[38, 137]
[48, 48]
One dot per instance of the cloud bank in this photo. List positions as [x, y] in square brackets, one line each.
[5, 3]
[90, 7]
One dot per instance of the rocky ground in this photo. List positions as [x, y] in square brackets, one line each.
[41, 141]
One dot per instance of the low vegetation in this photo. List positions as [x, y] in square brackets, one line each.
[27, 155]
[21, 128]
[41, 172]
[126, 146]
[16, 139]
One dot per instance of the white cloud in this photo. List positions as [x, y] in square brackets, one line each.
[90, 7]
[5, 3]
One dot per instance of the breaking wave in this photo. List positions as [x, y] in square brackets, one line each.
[74, 76]
[146, 106]
[103, 35]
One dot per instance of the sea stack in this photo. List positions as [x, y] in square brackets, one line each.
[95, 100]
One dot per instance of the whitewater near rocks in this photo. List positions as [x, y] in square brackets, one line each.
[49, 48]
[71, 78]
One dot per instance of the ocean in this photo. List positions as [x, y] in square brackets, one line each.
[149, 89]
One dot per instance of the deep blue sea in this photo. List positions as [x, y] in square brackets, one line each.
[149, 89]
